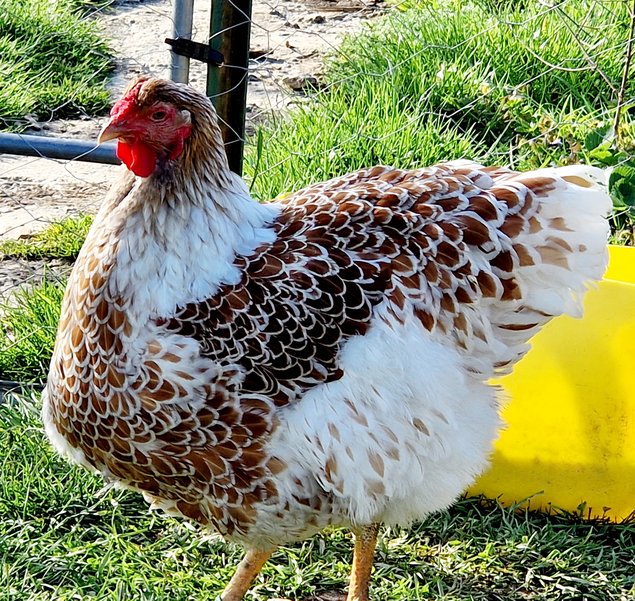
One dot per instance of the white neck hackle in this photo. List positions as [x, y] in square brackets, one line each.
[178, 231]
[182, 249]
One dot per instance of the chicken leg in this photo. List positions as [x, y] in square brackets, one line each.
[247, 570]
[365, 541]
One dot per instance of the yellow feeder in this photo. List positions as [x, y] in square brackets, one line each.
[570, 436]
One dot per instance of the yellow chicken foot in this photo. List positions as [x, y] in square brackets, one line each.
[365, 541]
[247, 570]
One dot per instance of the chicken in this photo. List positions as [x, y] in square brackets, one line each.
[271, 369]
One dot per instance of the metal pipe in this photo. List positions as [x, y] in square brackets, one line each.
[230, 28]
[58, 148]
[182, 17]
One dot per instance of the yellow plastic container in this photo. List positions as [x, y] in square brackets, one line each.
[570, 436]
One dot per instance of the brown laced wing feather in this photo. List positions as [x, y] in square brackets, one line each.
[343, 247]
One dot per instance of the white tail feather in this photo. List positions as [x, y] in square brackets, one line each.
[569, 252]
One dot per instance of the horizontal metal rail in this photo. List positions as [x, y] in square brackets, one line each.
[58, 148]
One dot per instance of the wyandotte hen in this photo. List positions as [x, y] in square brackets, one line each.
[269, 369]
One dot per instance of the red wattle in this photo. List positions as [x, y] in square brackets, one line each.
[140, 158]
[124, 153]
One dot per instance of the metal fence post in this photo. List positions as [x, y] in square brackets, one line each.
[230, 28]
[182, 17]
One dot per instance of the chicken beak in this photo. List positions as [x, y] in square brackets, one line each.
[111, 131]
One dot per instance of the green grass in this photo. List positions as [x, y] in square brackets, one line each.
[28, 324]
[470, 63]
[59, 240]
[53, 62]
[339, 134]
[29, 316]
[457, 79]
[63, 537]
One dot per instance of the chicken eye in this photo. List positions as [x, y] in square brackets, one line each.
[158, 116]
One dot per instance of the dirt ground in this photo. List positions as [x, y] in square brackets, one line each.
[291, 37]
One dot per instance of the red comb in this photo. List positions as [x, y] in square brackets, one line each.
[127, 102]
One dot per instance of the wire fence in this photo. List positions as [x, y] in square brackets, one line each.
[289, 40]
